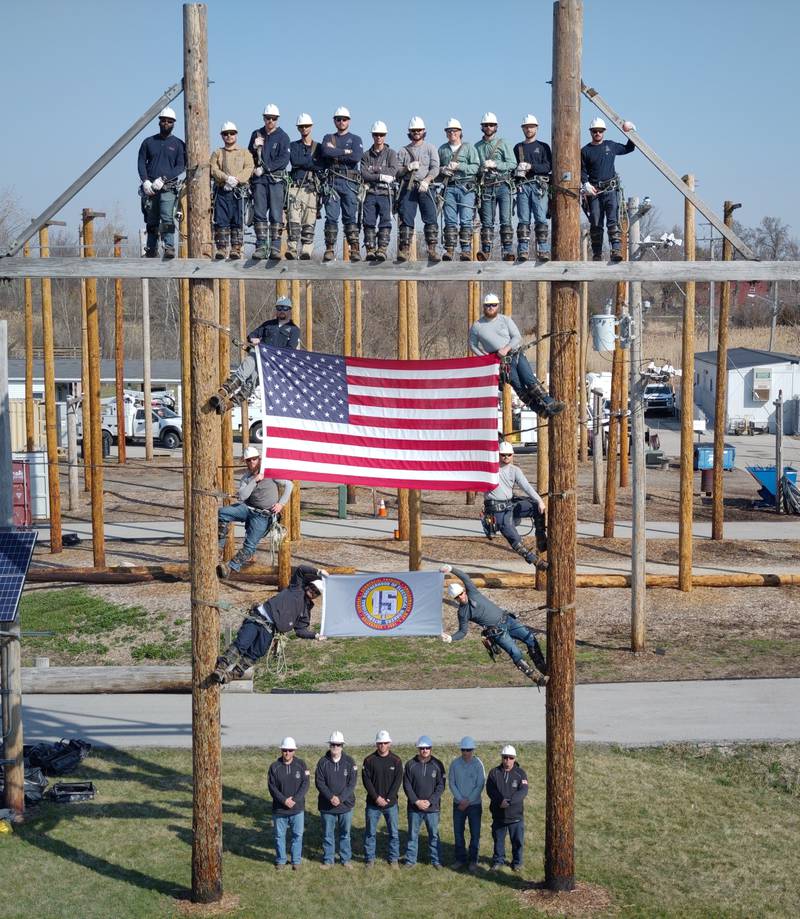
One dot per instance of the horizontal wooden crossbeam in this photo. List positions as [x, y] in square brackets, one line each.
[250, 270]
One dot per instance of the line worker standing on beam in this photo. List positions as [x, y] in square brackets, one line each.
[162, 159]
[231, 168]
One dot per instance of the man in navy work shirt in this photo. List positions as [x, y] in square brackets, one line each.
[532, 176]
[270, 149]
[507, 788]
[600, 187]
[382, 775]
[341, 154]
[423, 783]
[288, 780]
[162, 159]
[335, 778]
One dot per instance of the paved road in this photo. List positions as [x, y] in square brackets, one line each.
[623, 713]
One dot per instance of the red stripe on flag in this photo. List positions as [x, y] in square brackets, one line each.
[425, 424]
[388, 402]
[449, 363]
[456, 484]
[380, 462]
[431, 383]
[384, 443]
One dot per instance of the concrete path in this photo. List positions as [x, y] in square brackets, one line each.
[623, 713]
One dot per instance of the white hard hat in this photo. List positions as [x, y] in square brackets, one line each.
[228, 126]
[453, 123]
[337, 737]
[304, 118]
[530, 119]
[597, 123]
[383, 737]
[455, 590]
[416, 124]
[342, 112]
[378, 127]
[251, 453]
[508, 750]
[491, 300]
[288, 743]
[283, 301]
[168, 113]
[272, 109]
[505, 447]
[489, 118]
[318, 585]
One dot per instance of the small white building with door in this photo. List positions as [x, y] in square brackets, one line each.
[754, 380]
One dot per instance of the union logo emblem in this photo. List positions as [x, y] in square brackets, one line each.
[383, 603]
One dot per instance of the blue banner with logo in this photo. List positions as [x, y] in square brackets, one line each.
[383, 605]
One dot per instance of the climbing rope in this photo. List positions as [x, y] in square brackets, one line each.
[276, 657]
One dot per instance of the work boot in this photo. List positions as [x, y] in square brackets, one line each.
[237, 241]
[369, 243]
[222, 398]
[169, 252]
[537, 657]
[486, 244]
[450, 240]
[384, 235]
[431, 239]
[306, 241]
[531, 674]
[539, 399]
[330, 244]
[275, 233]
[222, 671]
[506, 242]
[222, 238]
[351, 234]
[465, 241]
[238, 560]
[523, 241]
[616, 255]
[292, 241]
[261, 229]
[404, 243]
[542, 249]
[260, 250]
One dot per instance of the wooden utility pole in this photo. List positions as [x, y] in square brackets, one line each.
[347, 334]
[559, 856]
[243, 337]
[778, 403]
[309, 316]
[583, 415]
[294, 499]
[224, 356]
[721, 394]
[639, 530]
[119, 355]
[414, 494]
[359, 320]
[622, 301]
[402, 355]
[50, 424]
[72, 453]
[508, 417]
[86, 417]
[96, 427]
[206, 750]
[473, 312]
[597, 446]
[27, 288]
[542, 429]
[147, 391]
[186, 392]
[687, 404]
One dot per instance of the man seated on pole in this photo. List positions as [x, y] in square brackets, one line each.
[496, 334]
[290, 609]
[241, 383]
[502, 511]
[501, 629]
[259, 507]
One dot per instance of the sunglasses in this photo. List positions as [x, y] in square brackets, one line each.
[598, 131]
[229, 133]
[270, 117]
[379, 135]
[341, 118]
[508, 757]
[286, 751]
[335, 745]
[423, 748]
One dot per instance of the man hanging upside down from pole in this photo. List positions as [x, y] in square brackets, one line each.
[501, 629]
[288, 610]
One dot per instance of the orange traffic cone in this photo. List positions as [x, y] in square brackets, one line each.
[382, 509]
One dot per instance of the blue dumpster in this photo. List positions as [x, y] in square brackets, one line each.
[765, 476]
[704, 456]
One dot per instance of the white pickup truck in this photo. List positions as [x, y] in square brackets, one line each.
[167, 425]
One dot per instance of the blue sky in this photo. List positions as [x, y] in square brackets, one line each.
[711, 85]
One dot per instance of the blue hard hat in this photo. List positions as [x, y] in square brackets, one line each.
[424, 741]
[467, 743]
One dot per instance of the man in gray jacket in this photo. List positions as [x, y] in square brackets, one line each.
[502, 511]
[260, 503]
[419, 167]
[500, 628]
[378, 169]
[496, 334]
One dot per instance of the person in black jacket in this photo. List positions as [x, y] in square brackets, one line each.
[382, 773]
[335, 778]
[287, 780]
[288, 610]
[507, 787]
[280, 332]
[162, 160]
[423, 783]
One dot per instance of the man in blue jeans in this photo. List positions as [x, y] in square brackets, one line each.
[335, 778]
[532, 175]
[507, 788]
[162, 160]
[287, 781]
[382, 773]
[423, 783]
[500, 628]
[467, 778]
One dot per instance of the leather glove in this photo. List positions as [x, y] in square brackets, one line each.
[321, 637]
[454, 165]
[628, 126]
[446, 638]
[258, 142]
[424, 185]
[445, 569]
[147, 188]
[228, 187]
[258, 171]
[523, 168]
[158, 184]
[490, 164]
[589, 188]
[413, 166]
[323, 573]
[232, 181]
[386, 179]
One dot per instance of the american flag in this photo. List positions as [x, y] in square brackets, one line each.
[403, 424]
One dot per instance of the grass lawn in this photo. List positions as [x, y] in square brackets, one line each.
[677, 831]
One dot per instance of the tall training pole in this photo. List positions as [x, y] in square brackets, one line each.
[50, 425]
[402, 355]
[414, 494]
[224, 354]
[27, 290]
[623, 374]
[309, 316]
[294, 498]
[243, 337]
[721, 394]
[186, 391]
[638, 534]
[583, 414]
[206, 752]
[147, 389]
[96, 428]
[86, 417]
[687, 405]
[119, 355]
[542, 436]
[559, 856]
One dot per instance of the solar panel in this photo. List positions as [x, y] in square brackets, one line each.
[16, 549]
